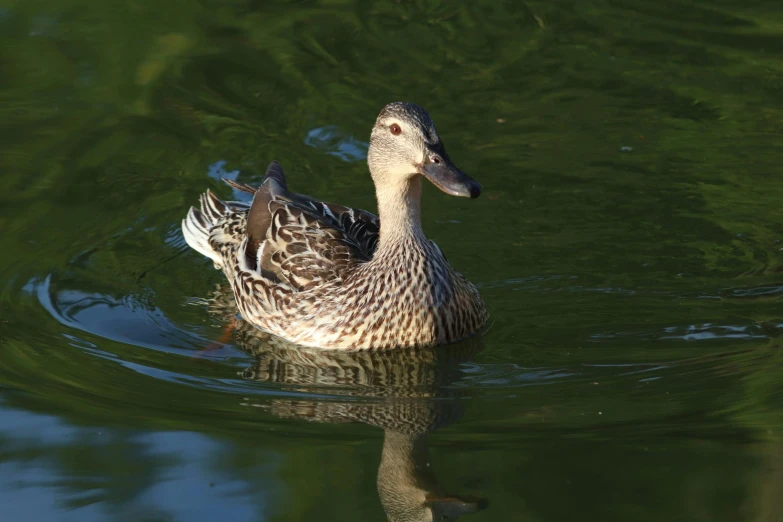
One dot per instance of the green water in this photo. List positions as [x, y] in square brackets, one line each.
[627, 242]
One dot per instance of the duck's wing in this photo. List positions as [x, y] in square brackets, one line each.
[301, 241]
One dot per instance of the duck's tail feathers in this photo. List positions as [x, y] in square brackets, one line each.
[198, 224]
[274, 180]
[274, 174]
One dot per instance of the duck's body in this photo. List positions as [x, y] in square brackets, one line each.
[324, 275]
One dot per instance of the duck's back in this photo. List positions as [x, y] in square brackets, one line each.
[302, 242]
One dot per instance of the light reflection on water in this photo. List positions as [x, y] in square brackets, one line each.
[335, 143]
[183, 479]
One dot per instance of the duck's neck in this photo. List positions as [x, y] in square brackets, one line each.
[399, 208]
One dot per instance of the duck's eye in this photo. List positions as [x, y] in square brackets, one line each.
[395, 129]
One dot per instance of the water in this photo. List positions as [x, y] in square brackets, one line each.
[627, 242]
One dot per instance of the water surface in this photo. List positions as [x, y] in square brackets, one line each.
[627, 242]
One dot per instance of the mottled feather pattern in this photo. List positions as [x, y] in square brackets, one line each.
[325, 275]
[321, 284]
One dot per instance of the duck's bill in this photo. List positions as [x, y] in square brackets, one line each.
[444, 175]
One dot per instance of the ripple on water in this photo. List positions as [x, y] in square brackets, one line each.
[707, 331]
[336, 143]
[123, 320]
[769, 291]
[260, 358]
[130, 322]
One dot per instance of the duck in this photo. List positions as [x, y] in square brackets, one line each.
[323, 275]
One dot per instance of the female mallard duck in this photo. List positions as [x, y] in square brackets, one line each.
[324, 275]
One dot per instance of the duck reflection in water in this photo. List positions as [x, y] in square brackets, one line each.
[403, 392]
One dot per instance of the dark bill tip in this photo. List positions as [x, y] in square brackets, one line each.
[444, 175]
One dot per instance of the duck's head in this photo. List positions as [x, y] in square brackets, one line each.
[404, 144]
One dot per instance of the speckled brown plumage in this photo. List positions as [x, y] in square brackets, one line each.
[324, 275]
